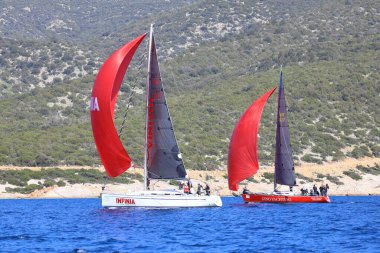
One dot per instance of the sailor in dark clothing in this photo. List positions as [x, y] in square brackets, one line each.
[207, 189]
[200, 189]
[322, 189]
[326, 189]
[315, 189]
[189, 184]
[304, 191]
[246, 191]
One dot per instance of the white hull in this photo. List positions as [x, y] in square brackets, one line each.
[159, 199]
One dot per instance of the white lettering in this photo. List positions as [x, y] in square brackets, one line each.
[94, 105]
[274, 199]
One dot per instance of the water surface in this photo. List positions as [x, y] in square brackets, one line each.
[348, 224]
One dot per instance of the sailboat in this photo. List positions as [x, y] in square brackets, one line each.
[243, 159]
[163, 159]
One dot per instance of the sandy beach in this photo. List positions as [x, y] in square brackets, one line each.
[217, 179]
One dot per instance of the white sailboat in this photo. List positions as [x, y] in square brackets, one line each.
[163, 159]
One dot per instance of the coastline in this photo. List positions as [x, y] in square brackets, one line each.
[331, 173]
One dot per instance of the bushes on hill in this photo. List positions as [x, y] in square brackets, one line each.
[55, 176]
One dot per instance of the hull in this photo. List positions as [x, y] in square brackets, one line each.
[159, 199]
[273, 198]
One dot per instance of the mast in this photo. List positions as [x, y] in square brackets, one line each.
[147, 111]
[274, 179]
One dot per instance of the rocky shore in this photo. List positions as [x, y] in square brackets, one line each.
[334, 173]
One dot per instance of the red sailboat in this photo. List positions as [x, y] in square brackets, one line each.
[243, 160]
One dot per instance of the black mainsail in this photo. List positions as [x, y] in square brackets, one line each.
[163, 158]
[284, 165]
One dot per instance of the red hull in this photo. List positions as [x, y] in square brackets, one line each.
[267, 198]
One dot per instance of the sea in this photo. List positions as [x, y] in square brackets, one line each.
[348, 224]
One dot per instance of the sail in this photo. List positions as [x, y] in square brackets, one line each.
[164, 158]
[284, 166]
[103, 100]
[242, 156]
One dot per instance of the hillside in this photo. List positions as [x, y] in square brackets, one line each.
[215, 62]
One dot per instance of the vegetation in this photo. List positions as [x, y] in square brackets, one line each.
[25, 190]
[302, 177]
[269, 176]
[252, 180]
[173, 182]
[214, 64]
[55, 176]
[374, 170]
[353, 174]
[334, 180]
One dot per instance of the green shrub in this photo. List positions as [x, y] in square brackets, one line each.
[375, 151]
[49, 183]
[334, 180]
[61, 183]
[16, 181]
[360, 151]
[307, 179]
[251, 179]
[25, 190]
[319, 175]
[173, 182]
[310, 159]
[269, 176]
[352, 174]
[374, 170]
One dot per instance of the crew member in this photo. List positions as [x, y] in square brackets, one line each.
[315, 189]
[200, 189]
[322, 189]
[207, 189]
[326, 189]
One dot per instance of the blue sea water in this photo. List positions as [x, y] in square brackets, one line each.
[348, 224]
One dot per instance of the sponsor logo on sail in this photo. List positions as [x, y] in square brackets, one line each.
[94, 105]
[125, 201]
[150, 123]
[150, 119]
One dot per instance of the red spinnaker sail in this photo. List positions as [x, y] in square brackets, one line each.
[242, 155]
[103, 100]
